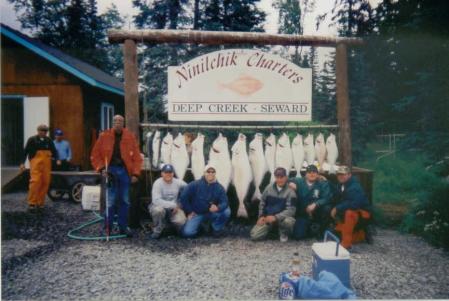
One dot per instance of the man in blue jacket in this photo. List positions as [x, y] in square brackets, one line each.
[205, 200]
[352, 205]
[313, 205]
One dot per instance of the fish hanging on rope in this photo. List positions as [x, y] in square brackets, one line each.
[179, 156]
[156, 147]
[284, 153]
[332, 152]
[198, 164]
[167, 144]
[309, 149]
[270, 154]
[320, 150]
[298, 154]
[241, 173]
[220, 158]
[258, 163]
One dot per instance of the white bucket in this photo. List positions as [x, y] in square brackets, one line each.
[90, 197]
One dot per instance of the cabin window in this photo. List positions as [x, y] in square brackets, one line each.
[107, 113]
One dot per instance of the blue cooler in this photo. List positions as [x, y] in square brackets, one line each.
[332, 257]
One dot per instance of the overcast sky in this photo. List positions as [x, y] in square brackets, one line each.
[8, 15]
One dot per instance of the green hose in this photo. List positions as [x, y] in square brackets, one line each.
[99, 218]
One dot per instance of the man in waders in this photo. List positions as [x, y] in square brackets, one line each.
[39, 149]
[352, 206]
[117, 154]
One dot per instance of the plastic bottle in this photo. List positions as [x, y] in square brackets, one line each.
[294, 267]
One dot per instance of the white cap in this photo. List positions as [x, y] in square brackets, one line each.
[209, 166]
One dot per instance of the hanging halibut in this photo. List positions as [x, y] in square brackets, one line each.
[220, 158]
[198, 156]
[298, 154]
[284, 153]
[156, 144]
[309, 149]
[270, 154]
[332, 152]
[167, 144]
[179, 156]
[241, 173]
[320, 150]
[258, 163]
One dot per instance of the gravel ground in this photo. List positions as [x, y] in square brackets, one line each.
[40, 262]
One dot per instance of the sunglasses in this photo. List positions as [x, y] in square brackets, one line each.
[210, 171]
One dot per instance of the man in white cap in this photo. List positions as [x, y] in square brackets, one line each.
[205, 200]
[165, 204]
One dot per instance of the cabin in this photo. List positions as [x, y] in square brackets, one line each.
[41, 84]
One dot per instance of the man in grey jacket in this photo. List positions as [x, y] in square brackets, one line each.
[276, 208]
[165, 204]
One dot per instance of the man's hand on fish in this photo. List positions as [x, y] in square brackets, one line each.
[311, 208]
[191, 215]
[261, 221]
[270, 219]
[213, 208]
[134, 179]
[292, 186]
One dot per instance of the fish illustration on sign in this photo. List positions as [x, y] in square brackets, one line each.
[244, 85]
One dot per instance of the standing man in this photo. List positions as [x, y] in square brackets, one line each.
[165, 204]
[352, 205]
[205, 200]
[116, 149]
[313, 206]
[64, 150]
[276, 208]
[39, 149]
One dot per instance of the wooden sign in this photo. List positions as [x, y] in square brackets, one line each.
[239, 85]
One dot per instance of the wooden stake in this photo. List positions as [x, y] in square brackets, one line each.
[131, 87]
[343, 105]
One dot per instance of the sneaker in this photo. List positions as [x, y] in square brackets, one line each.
[283, 237]
[155, 235]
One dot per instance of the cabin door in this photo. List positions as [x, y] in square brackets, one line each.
[35, 111]
[12, 130]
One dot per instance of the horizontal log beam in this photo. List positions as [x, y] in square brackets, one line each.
[225, 37]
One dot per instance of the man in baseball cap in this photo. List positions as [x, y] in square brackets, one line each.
[276, 208]
[39, 149]
[205, 199]
[165, 205]
[64, 150]
[352, 206]
[313, 207]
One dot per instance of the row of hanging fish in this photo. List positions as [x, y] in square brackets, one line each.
[243, 168]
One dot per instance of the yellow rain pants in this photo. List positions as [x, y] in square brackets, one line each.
[40, 175]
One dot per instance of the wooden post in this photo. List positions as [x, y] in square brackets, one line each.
[343, 105]
[131, 87]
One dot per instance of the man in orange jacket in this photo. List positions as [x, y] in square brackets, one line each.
[117, 150]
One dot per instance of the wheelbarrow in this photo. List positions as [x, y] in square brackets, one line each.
[71, 183]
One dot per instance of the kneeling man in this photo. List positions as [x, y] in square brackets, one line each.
[205, 200]
[276, 208]
[165, 205]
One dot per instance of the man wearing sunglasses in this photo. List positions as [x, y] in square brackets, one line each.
[39, 149]
[205, 200]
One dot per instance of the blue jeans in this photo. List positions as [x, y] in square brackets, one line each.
[218, 221]
[118, 191]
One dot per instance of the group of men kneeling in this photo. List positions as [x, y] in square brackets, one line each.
[297, 207]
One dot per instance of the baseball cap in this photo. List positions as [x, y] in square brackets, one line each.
[280, 172]
[311, 168]
[59, 132]
[209, 166]
[343, 169]
[42, 127]
[168, 168]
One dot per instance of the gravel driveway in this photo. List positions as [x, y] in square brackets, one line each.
[40, 262]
